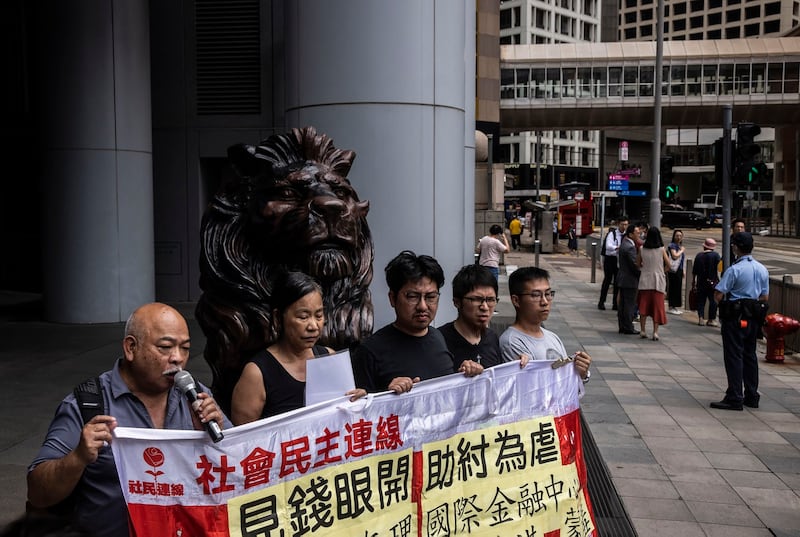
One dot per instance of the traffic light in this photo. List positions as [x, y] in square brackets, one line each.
[668, 188]
[749, 171]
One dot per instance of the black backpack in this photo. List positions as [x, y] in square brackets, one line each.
[90, 402]
[605, 238]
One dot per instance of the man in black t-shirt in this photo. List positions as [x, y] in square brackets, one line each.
[469, 337]
[408, 350]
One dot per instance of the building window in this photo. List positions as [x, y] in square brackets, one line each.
[752, 12]
[752, 30]
[678, 80]
[696, 22]
[510, 18]
[630, 33]
[507, 83]
[541, 18]
[772, 27]
[709, 80]
[553, 89]
[568, 81]
[630, 78]
[679, 8]
[585, 82]
[773, 8]
[715, 34]
[538, 83]
[742, 79]
[791, 77]
[522, 83]
[646, 31]
[693, 77]
[646, 74]
[714, 19]
[615, 81]
[647, 14]
[679, 25]
[758, 78]
[587, 32]
[599, 82]
[733, 15]
[733, 33]
[697, 6]
[775, 78]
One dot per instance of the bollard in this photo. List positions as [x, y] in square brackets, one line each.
[536, 246]
[594, 263]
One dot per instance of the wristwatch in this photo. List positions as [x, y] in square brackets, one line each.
[588, 376]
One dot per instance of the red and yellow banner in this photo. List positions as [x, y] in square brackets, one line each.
[497, 454]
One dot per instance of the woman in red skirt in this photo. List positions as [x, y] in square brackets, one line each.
[654, 263]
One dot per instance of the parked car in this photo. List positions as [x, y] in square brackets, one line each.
[687, 219]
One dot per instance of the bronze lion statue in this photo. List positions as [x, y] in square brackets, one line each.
[289, 206]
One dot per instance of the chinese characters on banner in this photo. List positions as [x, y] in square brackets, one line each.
[498, 454]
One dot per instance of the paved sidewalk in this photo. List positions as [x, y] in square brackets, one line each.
[681, 467]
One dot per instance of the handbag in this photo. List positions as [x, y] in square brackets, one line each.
[693, 298]
[674, 264]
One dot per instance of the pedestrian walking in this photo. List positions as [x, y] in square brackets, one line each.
[515, 228]
[705, 276]
[490, 247]
[627, 281]
[572, 239]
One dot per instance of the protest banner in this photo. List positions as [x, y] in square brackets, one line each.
[496, 454]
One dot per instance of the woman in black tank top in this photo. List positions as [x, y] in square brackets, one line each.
[273, 381]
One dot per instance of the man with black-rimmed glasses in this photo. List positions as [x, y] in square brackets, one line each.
[532, 297]
[408, 350]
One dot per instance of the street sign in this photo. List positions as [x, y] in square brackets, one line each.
[603, 194]
[617, 182]
[623, 151]
[633, 193]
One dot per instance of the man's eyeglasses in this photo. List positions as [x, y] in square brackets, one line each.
[430, 298]
[538, 295]
[478, 300]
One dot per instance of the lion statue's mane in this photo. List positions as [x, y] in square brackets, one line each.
[289, 206]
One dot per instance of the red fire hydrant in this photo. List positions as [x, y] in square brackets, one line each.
[776, 328]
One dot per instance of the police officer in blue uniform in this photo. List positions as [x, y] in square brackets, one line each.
[742, 294]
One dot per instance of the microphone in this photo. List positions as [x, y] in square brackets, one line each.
[185, 383]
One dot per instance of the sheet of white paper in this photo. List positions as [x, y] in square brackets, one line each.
[328, 377]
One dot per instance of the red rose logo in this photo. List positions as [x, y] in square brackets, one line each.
[155, 458]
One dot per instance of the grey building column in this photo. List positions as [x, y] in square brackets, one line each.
[93, 90]
[388, 80]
